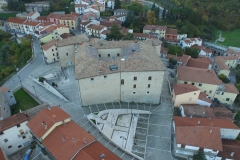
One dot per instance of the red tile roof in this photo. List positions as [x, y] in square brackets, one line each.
[48, 117]
[204, 59]
[184, 58]
[80, 5]
[49, 44]
[31, 23]
[213, 122]
[144, 35]
[184, 88]
[171, 31]
[199, 136]
[230, 146]
[198, 75]
[230, 88]
[206, 50]
[221, 63]
[12, 121]
[93, 152]
[66, 140]
[16, 20]
[203, 96]
[154, 27]
[2, 157]
[196, 63]
[96, 27]
[66, 35]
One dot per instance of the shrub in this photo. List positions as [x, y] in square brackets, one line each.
[41, 79]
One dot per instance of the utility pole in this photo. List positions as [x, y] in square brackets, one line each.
[35, 92]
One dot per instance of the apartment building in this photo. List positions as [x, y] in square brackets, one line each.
[4, 106]
[233, 51]
[8, 95]
[79, 8]
[64, 139]
[15, 25]
[154, 29]
[30, 27]
[50, 51]
[118, 71]
[224, 63]
[14, 133]
[95, 30]
[189, 42]
[207, 81]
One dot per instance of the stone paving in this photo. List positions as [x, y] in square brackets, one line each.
[153, 135]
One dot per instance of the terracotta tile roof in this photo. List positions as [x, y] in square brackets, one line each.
[88, 15]
[230, 88]
[49, 117]
[184, 88]
[204, 59]
[2, 157]
[55, 16]
[42, 18]
[164, 50]
[105, 32]
[33, 111]
[184, 58]
[204, 97]
[232, 51]
[12, 121]
[80, 5]
[171, 31]
[85, 23]
[221, 63]
[93, 152]
[195, 110]
[203, 137]
[49, 44]
[143, 35]
[66, 140]
[61, 25]
[16, 20]
[230, 146]
[94, 7]
[197, 63]
[31, 13]
[222, 113]
[87, 1]
[206, 50]
[73, 40]
[213, 122]
[197, 75]
[230, 58]
[96, 27]
[4, 89]
[99, 4]
[66, 35]
[31, 23]
[154, 27]
[44, 24]
[87, 63]
[187, 41]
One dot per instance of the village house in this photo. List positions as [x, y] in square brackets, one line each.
[159, 31]
[50, 51]
[144, 36]
[231, 150]
[15, 24]
[171, 35]
[64, 139]
[2, 3]
[223, 64]
[8, 95]
[232, 51]
[30, 27]
[95, 30]
[42, 19]
[203, 51]
[88, 16]
[118, 12]
[181, 61]
[199, 63]
[14, 133]
[93, 10]
[110, 4]
[189, 42]
[79, 8]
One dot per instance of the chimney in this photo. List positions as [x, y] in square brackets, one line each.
[210, 131]
[199, 122]
[84, 141]
[191, 117]
[49, 108]
[232, 153]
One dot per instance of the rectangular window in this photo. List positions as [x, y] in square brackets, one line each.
[122, 81]
[1, 133]
[19, 146]
[134, 92]
[200, 84]
[210, 91]
[18, 125]
[149, 85]
[105, 76]
[66, 54]
[222, 93]
[24, 137]
[135, 78]
[53, 54]
[134, 86]
[99, 55]
[149, 78]
[227, 99]
[182, 146]
[10, 146]
[108, 55]
[55, 48]
[194, 93]
[92, 79]
[118, 54]
[193, 84]
[5, 140]
[52, 49]
[185, 82]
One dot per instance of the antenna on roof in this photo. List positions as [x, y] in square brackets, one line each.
[232, 153]
[49, 108]
[63, 139]
[102, 155]
[199, 122]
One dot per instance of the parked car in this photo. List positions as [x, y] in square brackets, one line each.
[27, 154]
[169, 66]
[172, 75]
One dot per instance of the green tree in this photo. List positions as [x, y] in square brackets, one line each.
[172, 61]
[199, 156]
[151, 18]
[128, 36]
[175, 50]
[115, 33]
[4, 7]
[117, 4]
[224, 78]
[51, 9]
[164, 13]
[193, 52]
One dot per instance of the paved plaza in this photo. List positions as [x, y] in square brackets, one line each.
[153, 134]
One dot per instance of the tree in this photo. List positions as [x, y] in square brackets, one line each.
[128, 36]
[115, 33]
[175, 50]
[199, 156]
[51, 7]
[151, 18]
[4, 7]
[164, 13]
[224, 78]
[117, 4]
[172, 61]
[193, 52]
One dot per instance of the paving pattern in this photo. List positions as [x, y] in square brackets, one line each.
[153, 134]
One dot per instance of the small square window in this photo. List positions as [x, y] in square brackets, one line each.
[92, 79]
[134, 86]
[53, 54]
[66, 54]
[11, 96]
[10, 146]
[118, 54]
[55, 48]
[200, 84]
[122, 81]
[19, 146]
[210, 91]
[149, 85]
[18, 125]
[99, 55]
[134, 92]
[24, 137]
[8, 91]
[227, 99]
[105, 76]
[149, 78]
[185, 82]
[52, 49]
[108, 55]
[222, 93]
[194, 93]
[5, 140]
[193, 84]
[148, 92]
[135, 78]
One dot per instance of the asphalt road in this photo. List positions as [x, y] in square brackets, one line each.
[14, 81]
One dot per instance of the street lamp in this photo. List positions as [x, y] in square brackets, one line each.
[123, 138]
[35, 92]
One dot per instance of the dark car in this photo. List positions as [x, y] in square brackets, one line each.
[172, 67]
[172, 75]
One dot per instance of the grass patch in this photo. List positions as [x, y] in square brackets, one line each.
[7, 15]
[25, 101]
[231, 38]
